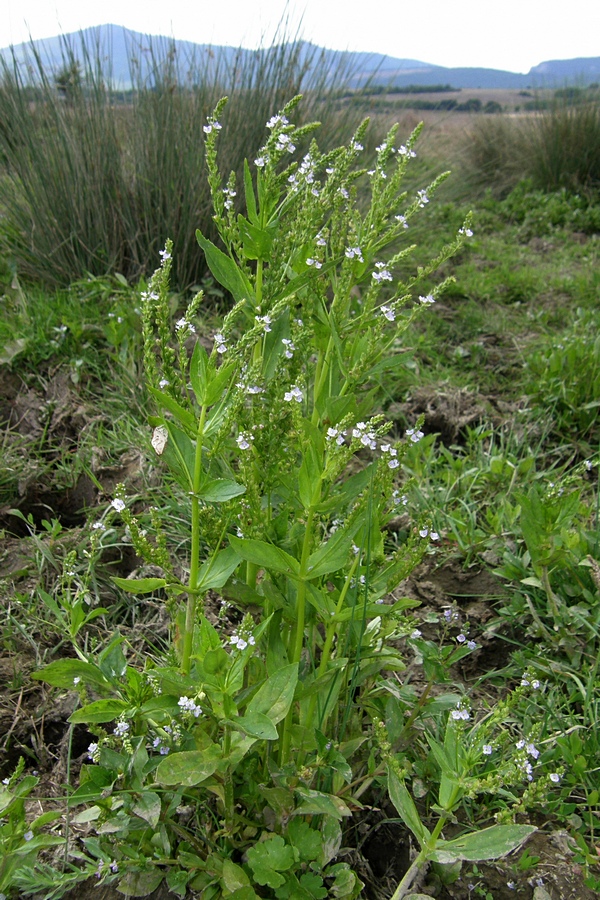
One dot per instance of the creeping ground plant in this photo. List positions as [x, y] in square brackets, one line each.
[226, 766]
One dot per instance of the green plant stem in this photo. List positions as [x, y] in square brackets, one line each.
[422, 857]
[190, 613]
[322, 371]
[228, 783]
[552, 599]
[298, 635]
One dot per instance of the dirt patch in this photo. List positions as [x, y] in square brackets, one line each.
[445, 412]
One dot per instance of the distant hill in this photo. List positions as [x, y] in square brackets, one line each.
[117, 48]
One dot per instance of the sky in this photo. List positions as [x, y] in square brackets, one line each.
[499, 34]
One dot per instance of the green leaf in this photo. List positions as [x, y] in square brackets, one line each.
[275, 696]
[199, 373]
[63, 672]
[219, 490]
[189, 767]
[258, 242]
[268, 859]
[318, 803]
[406, 808]
[249, 194]
[490, 843]
[309, 477]
[139, 585]
[234, 877]
[147, 807]
[183, 416]
[140, 884]
[256, 725]
[219, 379]
[225, 270]
[97, 712]
[332, 555]
[265, 555]
[216, 571]
[306, 840]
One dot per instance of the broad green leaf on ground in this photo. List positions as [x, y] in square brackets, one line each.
[98, 711]
[268, 859]
[189, 767]
[274, 697]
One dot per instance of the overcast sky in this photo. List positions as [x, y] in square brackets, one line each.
[499, 34]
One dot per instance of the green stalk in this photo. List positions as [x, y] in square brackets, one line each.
[190, 613]
[298, 634]
[422, 857]
[321, 374]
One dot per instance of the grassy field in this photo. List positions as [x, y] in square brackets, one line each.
[502, 376]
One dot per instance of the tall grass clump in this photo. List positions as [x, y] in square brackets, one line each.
[95, 179]
[557, 149]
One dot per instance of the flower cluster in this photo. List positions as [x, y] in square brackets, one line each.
[220, 342]
[294, 393]
[188, 705]
[382, 273]
[460, 713]
[241, 642]
[354, 253]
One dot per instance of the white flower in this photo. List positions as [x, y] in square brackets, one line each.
[121, 729]
[414, 435]
[164, 255]
[344, 193]
[466, 231]
[532, 751]
[354, 253]
[555, 777]
[99, 526]
[92, 750]
[460, 713]
[77, 679]
[294, 393]
[422, 198]
[242, 440]
[393, 464]
[424, 532]
[260, 162]
[487, 749]
[382, 274]
[265, 320]
[187, 704]
[402, 220]
[434, 536]
[387, 313]
[277, 120]
[416, 633]
[356, 146]
[427, 300]
[313, 262]
[118, 504]
[163, 383]
[332, 433]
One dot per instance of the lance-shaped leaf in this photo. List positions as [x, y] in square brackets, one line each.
[214, 572]
[406, 808]
[274, 697]
[225, 270]
[490, 843]
[63, 673]
[332, 555]
[183, 416]
[219, 490]
[255, 725]
[98, 712]
[139, 585]
[267, 556]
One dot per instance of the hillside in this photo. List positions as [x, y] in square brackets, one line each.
[118, 47]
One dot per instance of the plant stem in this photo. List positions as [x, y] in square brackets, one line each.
[190, 613]
[298, 634]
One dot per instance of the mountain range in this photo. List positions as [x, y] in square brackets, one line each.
[117, 48]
